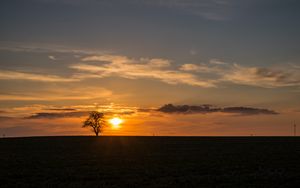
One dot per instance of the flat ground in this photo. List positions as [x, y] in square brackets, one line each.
[150, 162]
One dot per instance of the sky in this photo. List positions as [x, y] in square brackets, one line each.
[166, 67]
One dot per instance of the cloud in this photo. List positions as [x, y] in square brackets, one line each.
[211, 74]
[190, 67]
[170, 108]
[204, 109]
[262, 77]
[202, 68]
[5, 118]
[266, 77]
[50, 111]
[248, 111]
[46, 115]
[47, 48]
[122, 66]
[118, 59]
[295, 66]
[217, 62]
[58, 93]
[193, 52]
[214, 66]
[14, 75]
[70, 114]
[51, 57]
[62, 109]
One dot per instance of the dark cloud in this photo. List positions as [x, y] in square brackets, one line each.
[170, 108]
[52, 115]
[248, 111]
[47, 115]
[5, 117]
[127, 112]
[145, 110]
[206, 108]
[62, 109]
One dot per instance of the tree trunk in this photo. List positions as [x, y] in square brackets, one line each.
[97, 134]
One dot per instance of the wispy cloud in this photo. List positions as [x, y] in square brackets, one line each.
[15, 75]
[51, 57]
[58, 93]
[47, 48]
[201, 68]
[263, 77]
[266, 77]
[125, 67]
[211, 74]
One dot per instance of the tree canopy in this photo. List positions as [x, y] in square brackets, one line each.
[96, 121]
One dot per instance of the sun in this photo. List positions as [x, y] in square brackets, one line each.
[115, 122]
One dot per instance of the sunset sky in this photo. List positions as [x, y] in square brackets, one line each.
[228, 67]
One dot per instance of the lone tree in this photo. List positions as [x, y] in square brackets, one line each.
[96, 121]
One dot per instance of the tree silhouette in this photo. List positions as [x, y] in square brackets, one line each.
[96, 121]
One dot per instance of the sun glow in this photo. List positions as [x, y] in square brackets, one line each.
[115, 122]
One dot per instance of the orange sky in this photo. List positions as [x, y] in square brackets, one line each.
[228, 68]
[148, 122]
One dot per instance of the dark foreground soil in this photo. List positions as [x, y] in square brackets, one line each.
[150, 162]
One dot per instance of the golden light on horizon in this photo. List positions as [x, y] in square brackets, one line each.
[115, 122]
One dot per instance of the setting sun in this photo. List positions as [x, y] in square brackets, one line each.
[115, 122]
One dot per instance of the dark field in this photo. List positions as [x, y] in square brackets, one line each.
[150, 162]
